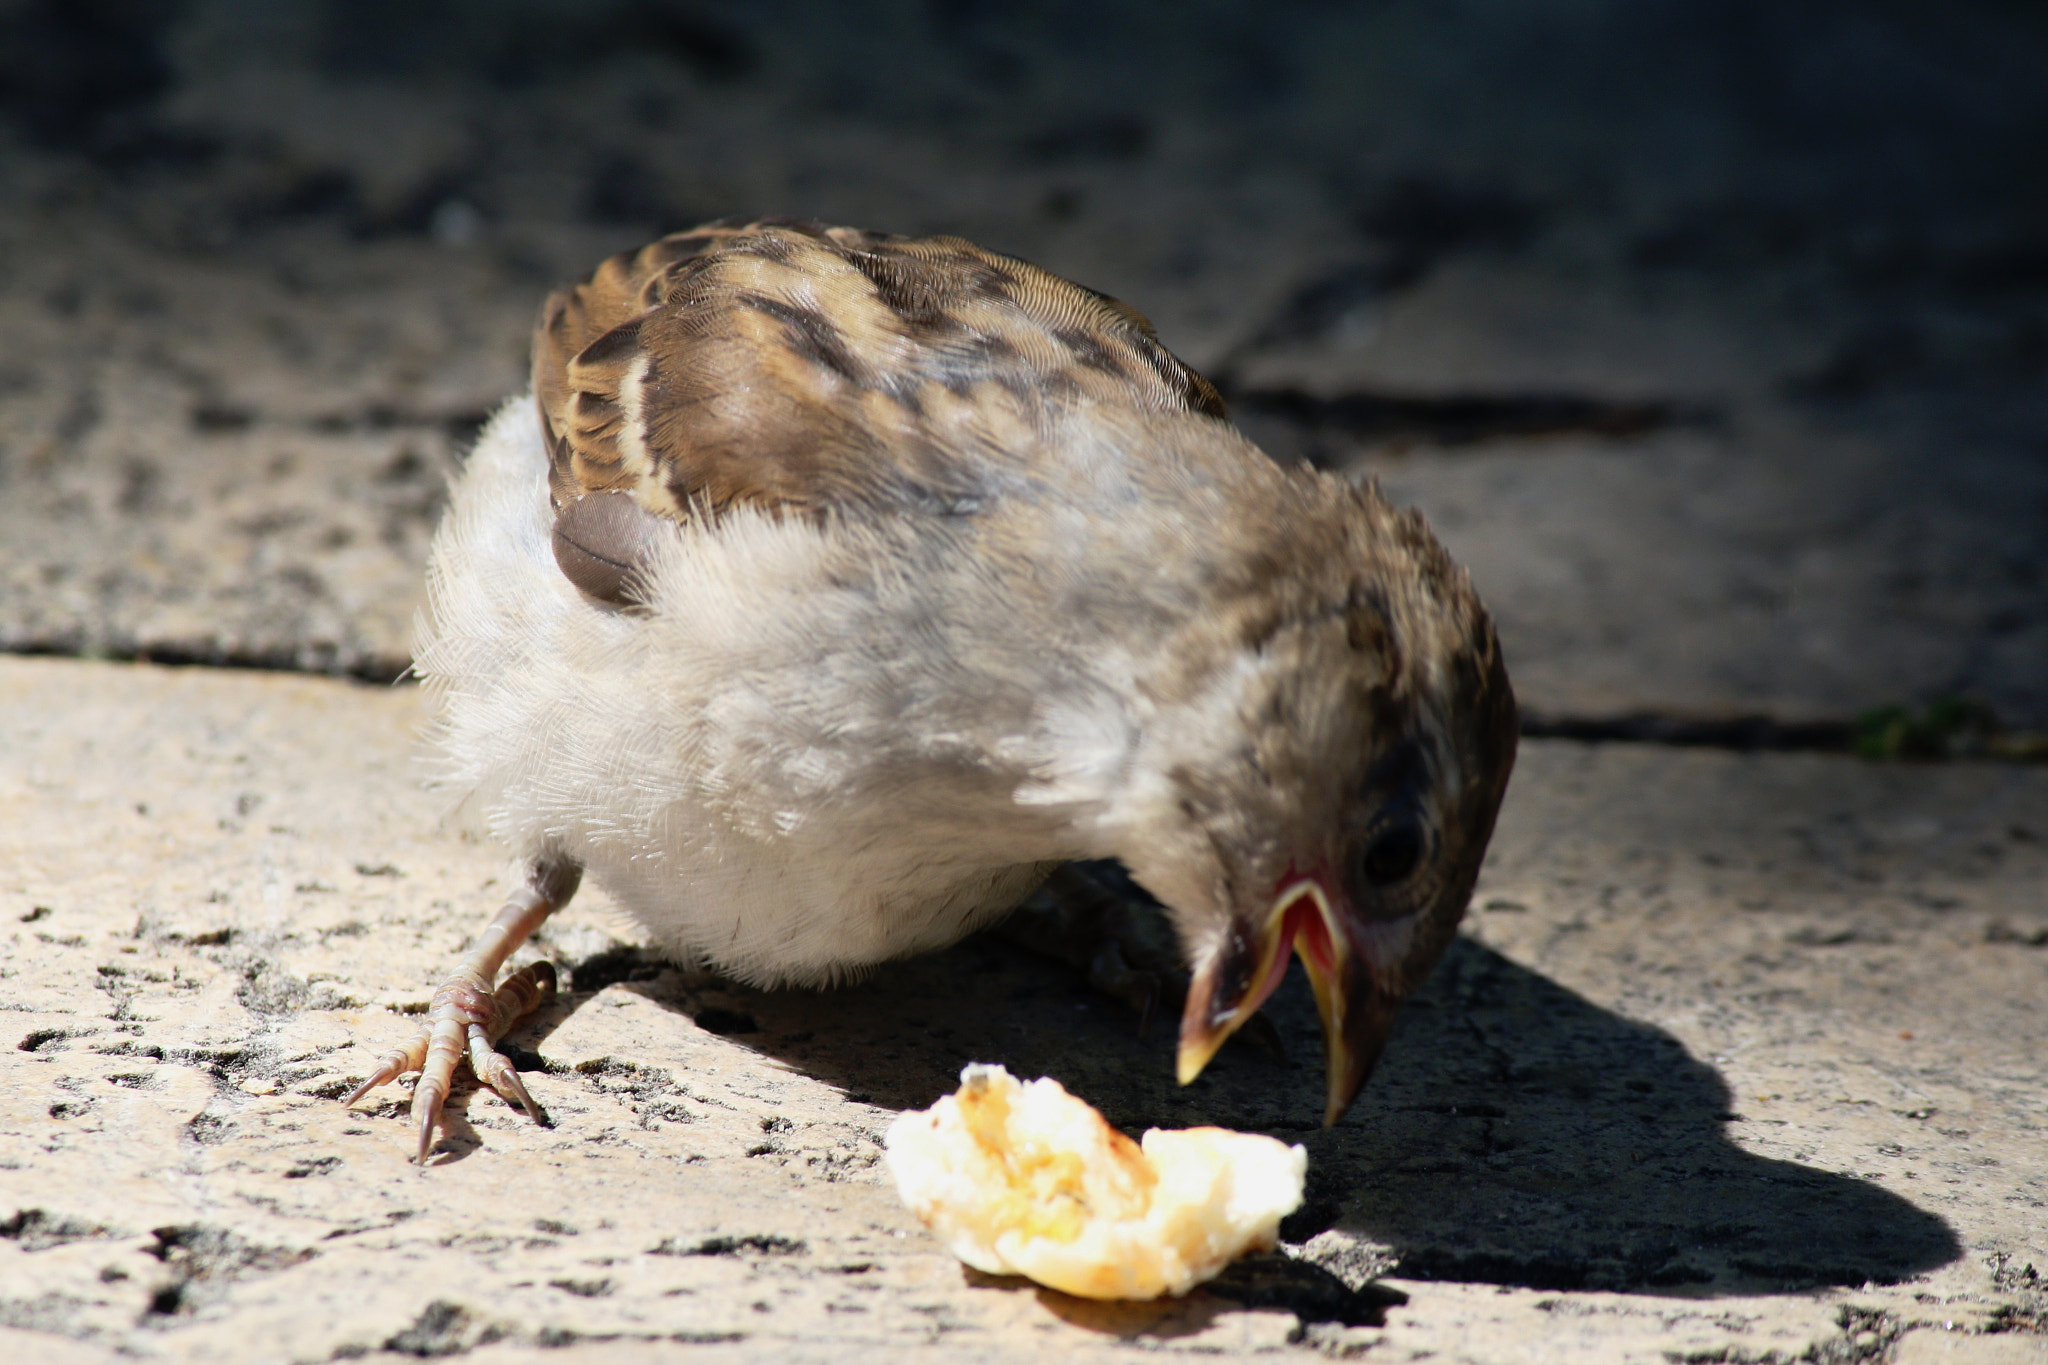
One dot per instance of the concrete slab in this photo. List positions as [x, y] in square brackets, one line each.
[1742, 1058]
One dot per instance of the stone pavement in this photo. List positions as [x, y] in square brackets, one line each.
[1742, 1055]
[1709, 335]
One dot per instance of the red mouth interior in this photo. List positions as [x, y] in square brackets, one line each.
[1309, 932]
[1302, 928]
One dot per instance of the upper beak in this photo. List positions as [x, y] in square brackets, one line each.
[1230, 986]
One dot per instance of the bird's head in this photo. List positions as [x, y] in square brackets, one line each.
[1327, 754]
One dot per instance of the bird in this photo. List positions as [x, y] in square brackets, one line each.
[831, 589]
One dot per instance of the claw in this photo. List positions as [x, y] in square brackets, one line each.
[395, 1063]
[460, 1003]
[521, 993]
[427, 1121]
[495, 1070]
[468, 1016]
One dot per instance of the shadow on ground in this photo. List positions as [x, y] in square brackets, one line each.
[1516, 1133]
[1529, 1137]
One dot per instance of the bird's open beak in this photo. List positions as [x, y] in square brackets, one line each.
[1231, 985]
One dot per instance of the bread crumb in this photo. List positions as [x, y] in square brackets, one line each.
[1021, 1178]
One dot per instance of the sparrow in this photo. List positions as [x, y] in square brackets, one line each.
[832, 588]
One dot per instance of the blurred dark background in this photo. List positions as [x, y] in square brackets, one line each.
[1890, 136]
[1711, 333]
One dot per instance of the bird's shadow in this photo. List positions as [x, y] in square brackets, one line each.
[1514, 1134]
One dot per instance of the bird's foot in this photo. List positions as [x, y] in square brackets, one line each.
[467, 1016]
[1098, 921]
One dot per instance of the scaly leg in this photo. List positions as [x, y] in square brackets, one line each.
[466, 1014]
[1097, 920]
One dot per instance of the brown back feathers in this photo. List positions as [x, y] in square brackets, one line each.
[798, 366]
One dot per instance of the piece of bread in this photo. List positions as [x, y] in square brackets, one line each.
[1021, 1178]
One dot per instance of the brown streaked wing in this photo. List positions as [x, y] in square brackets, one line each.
[793, 365]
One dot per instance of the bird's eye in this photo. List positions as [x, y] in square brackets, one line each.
[1393, 853]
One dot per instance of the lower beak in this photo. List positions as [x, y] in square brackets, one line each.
[1237, 979]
